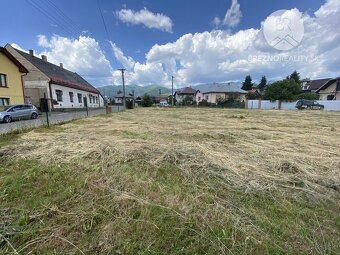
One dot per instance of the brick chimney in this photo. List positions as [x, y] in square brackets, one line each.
[44, 58]
[31, 52]
[61, 65]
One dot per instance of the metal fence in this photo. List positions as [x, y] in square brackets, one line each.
[53, 118]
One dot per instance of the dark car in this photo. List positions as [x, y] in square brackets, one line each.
[18, 112]
[308, 104]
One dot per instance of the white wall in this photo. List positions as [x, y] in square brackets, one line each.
[199, 97]
[253, 104]
[288, 106]
[269, 105]
[333, 105]
[66, 103]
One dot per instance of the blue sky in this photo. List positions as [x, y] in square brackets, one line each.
[55, 27]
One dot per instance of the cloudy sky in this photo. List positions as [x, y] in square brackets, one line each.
[195, 41]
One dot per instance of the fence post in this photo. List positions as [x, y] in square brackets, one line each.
[279, 104]
[259, 104]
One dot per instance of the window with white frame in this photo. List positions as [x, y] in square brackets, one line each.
[207, 97]
[90, 96]
[3, 80]
[80, 98]
[71, 96]
[4, 101]
[59, 94]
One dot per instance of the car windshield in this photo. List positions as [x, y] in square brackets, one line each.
[7, 107]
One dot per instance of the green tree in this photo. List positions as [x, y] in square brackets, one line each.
[262, 84]
[295, 76]
[129, 103]
[170, 100]
[253, 95]
[112, 101]
[308, 96]
[188, 100]
[247, 84]
[146, 100]
[285, 90]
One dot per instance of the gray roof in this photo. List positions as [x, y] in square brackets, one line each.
[230, 87]
[316, 84]
[59, 75]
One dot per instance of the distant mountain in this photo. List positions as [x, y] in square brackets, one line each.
[152, 90]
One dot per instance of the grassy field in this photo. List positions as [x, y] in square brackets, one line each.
[174, 181]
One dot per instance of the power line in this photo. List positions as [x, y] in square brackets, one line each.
[50, 16]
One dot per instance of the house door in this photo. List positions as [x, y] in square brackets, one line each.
[85, 101]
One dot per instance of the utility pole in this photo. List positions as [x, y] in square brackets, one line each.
[124, 100]
[133, 98]
[172, 91]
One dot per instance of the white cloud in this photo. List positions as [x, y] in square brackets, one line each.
[147, 18]
[233, 16]
[127, 62]
[43, 41]
[82, 55]
[220, 55]
[18, 47]
[216, 21]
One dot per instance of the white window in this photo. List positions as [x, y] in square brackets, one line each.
[59, 94]
[71, 96]
[80, 98]
[3, 80]
[207, 97]
[4, 101]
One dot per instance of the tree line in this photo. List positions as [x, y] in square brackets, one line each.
[288, 89]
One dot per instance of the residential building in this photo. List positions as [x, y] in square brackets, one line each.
[221, 90]
[309, 85]
[119, 97]
[330, 90]
[11, 85]
[63, 88]
[182, 93]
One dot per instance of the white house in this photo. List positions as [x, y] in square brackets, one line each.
[181, 94]
[220, 90]
[330, 90]
[63, 88]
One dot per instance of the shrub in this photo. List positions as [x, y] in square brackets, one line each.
[285, 90]
[146, 101]
[129, 103]
[308, 96]
[188, 100]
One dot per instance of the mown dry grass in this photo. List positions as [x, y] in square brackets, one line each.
[175, 181]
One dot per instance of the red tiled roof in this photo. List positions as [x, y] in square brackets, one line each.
[186, 91]
[74, 85]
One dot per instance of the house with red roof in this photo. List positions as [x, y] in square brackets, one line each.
[183, 93]
[64, 89]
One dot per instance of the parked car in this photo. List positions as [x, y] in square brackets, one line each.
[18, 112]
[309, 104]
[164, 104]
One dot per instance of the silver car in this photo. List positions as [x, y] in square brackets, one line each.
[18, 112]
